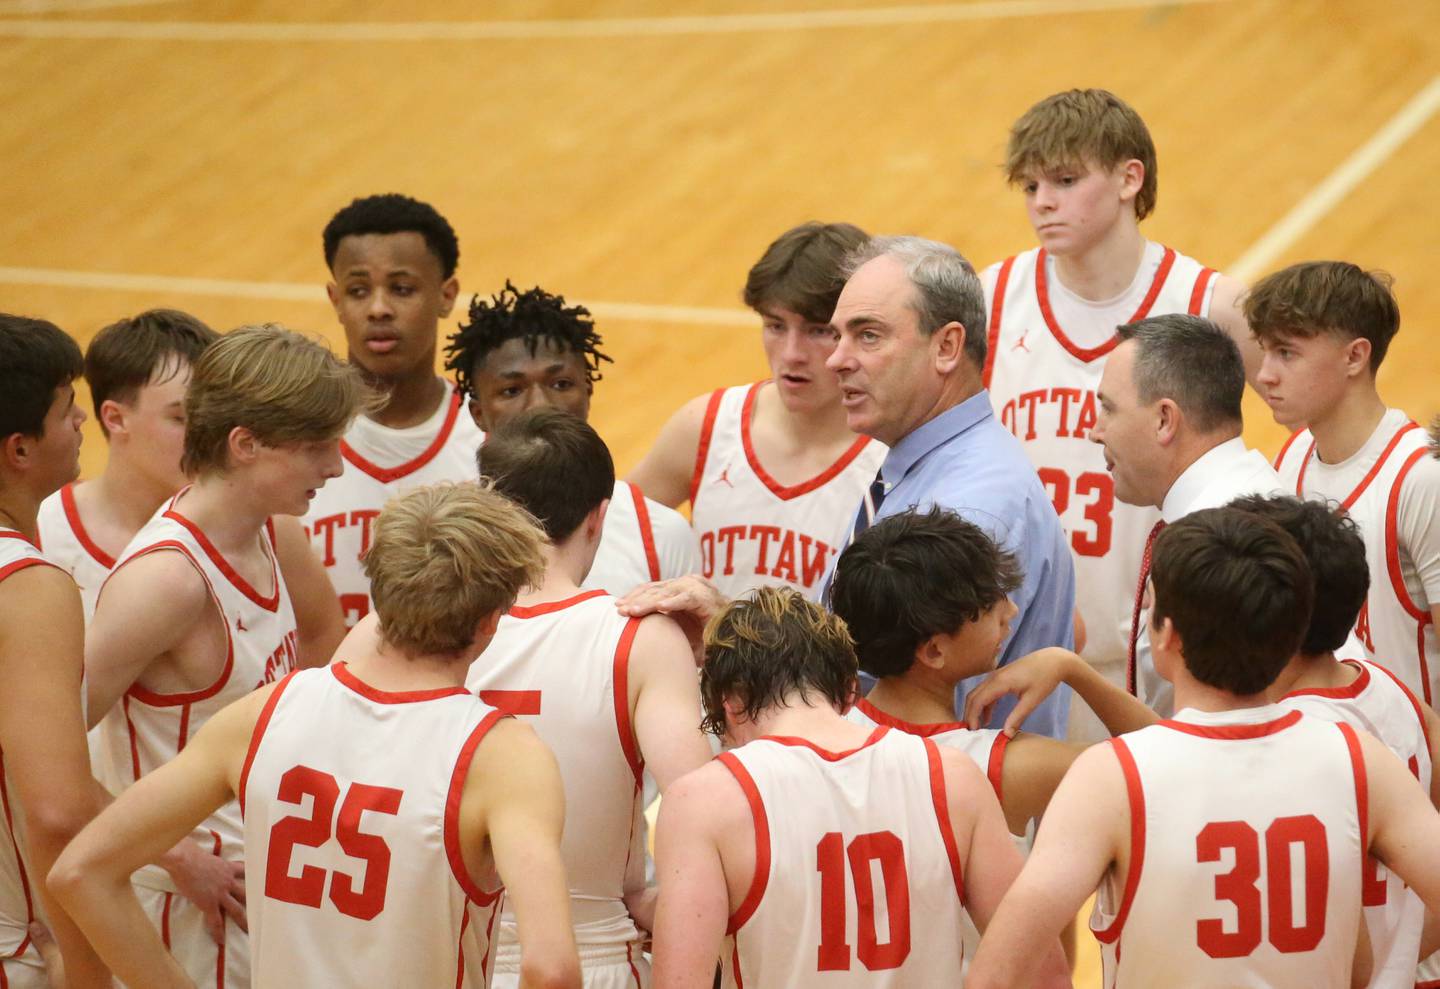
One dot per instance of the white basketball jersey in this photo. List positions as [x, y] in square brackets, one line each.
[17, 905]
[563, 666]
[756, 532]
[1042, 381]
[642, 541]
[1248, 839]
[67, 545]
[346, 788]
[857, 875]
[986, 746]
[1378, 703]
[1395, 626]
[147, 729]
[379, 464]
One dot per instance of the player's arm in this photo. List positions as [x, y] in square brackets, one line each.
[694, 906]
[92, 877]
[147, 607]
[665, 472]
[514, 794]
[692, 601]
[319, 622]
[42, 733]
[664, 697]
[1034, 677]
[1226, 311]
[1029, 775]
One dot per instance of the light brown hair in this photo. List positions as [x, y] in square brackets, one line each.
[800, 270]
[281, 386]
[1079, 126]
[444, 558]
[1314, 297]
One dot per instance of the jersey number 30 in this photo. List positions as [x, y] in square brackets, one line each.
[308, 888]
[1239, 885]
[830, 860]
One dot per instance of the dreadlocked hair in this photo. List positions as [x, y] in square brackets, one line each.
[532, 316]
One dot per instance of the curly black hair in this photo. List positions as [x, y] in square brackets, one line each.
[393, 213]
[531, 316]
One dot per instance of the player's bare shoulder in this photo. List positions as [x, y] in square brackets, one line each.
[664, 474]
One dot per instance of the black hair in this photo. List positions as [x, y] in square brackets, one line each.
[36, 358]
[393, 213]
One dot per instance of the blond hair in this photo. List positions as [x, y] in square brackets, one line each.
[443, 558]
[281, 386]
[1078, 126]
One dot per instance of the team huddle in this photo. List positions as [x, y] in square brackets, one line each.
[345, 673]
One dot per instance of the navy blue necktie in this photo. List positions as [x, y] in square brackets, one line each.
[869, 505]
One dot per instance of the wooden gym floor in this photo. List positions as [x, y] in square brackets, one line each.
[637, 155]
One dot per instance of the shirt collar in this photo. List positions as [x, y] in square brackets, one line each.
[914, 445]
[1191, 483]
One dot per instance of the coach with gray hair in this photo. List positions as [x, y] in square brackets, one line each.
[911, 326]
[1170, 423]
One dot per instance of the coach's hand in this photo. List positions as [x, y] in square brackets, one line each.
[692, 601]
[214, 884]
[1030, 678]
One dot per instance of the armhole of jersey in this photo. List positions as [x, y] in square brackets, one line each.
[1280, 457]
[1414, 704]
[1200, 294]
[997, 308]
[647, 531]
[1392, 541]
[942, 815]
[452, 811]
[26, 564]
[258, 733]
[1136, 796]
[707, 431]
[620, 684]
[1362, 791]
[761, 878]
[995, 770]
[19, 859]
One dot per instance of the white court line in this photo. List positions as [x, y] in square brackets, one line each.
[162, 285]
[1346, 177]
[70, 6]
[583, 28]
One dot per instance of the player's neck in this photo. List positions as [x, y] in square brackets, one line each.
[18, 511]
[806, 429]
[225, 511]
[565, 569]
[125, 496]
[1349, 424]
[387, 668]
[1191, 693]
[409, 401]
[1321, 672]
[1106, 268]
[919, 696]
[819, 724]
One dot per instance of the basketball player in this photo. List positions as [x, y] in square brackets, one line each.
[926, 597]
[138, 370]
[1325, 327]
[1167, 822]
[524, 350]
[392, 264]
[196, 612]
[740, 840]
[1087, 166]
[771, 470]
[610, 696]
[436, 791]
[46, 770]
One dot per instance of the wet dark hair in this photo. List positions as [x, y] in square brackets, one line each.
[552, 464]
[393, 213]
[36, 358]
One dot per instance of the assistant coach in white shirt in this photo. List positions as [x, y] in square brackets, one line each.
[1170, 423]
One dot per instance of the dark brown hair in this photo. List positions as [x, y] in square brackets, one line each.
[800, 270]
[1314, 297]
[36, 359]
[552, 464]
[146, 348]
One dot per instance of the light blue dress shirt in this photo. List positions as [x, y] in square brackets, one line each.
[966, 461]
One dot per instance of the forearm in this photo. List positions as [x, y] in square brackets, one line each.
[318, 644]
[83, 966]
[105, 907]
[1116, 709]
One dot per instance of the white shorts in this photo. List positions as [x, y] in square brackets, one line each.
[600, 968]
[24, 971]
[182, 928]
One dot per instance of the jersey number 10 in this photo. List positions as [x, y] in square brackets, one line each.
[831, 855]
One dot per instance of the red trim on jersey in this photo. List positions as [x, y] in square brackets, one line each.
[452, 813]
[702, 449]
[775, 487]
[270, 602]
[620, 684]
[1392, 534]
[1362, 790]
[15, 846]
[996, 769]
[387, 474]
[630, 960]
[908, 727]
[735, 962]
[826, 754]
[1364, 481]
[165, 920]
[647, 531]
[220, 966]
[460, 950]
[1235, 733]
[1409, 696]
[997, 309]
[154, 698]
[1280, 457]
[550, 607]
[1088, 354]
[134, 738]
[761, 878]
[942, 815]
[341, 672]
[72, 515]
[489, 942]
[16, 534]
[1197, 294]
[18, 565]
[258, 733]
[1135, 792]
[1348, 692]
[183, 735]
